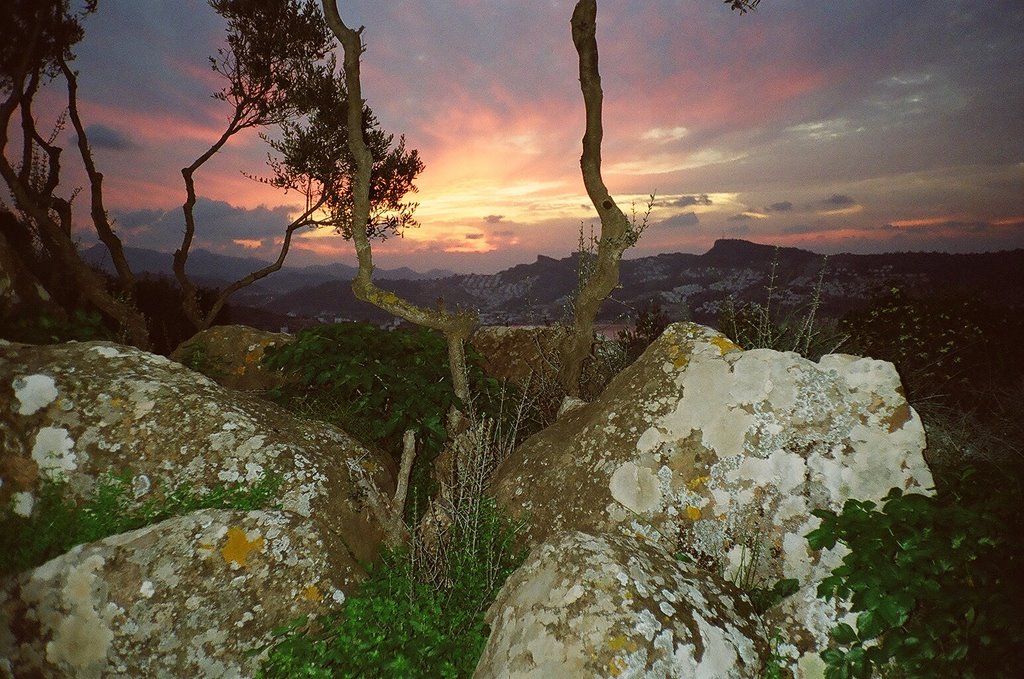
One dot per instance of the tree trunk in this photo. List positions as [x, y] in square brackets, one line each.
[616, 233]
[457, 326]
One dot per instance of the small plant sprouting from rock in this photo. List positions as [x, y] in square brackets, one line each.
[420, 611]
[762, 326]
[56, 523]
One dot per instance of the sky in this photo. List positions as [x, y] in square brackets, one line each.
[854, 126]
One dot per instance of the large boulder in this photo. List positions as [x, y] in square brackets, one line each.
[613, 606]
[232, 355]
[75, 411]
[187, 597]
[520, 352]
[723, 453]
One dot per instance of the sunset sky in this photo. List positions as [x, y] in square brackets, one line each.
[853, 126]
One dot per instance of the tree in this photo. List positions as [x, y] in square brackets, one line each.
[279, 76]
[37, 40]
[455, 325]
[618, 233]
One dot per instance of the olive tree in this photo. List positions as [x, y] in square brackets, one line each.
[279, 76]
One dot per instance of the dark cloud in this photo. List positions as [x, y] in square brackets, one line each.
[474, 236]
[687, 201]
[684, 219]
[741, 217]
[839, 200]
[493, 219]
[783, 206]
[217, 224]
[103, 137]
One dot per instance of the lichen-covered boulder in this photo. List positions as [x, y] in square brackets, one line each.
[723, 453]
[516, 353]
[75, 411]
[231, 355]
[187, 597]
[612, 606]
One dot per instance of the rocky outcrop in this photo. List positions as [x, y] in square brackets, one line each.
[723, 453]
[75, 411]
[187, 597]
[613, 606]
[231, 356]
[517, 353]
[78, 410]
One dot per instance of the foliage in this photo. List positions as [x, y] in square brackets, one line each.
[753, 325]
[50, 28]
[932, 581]
[383, 382]
[83, 325]
[57, 523]
[650, 322]
[941, 343]
[314, 159]
[397, 625]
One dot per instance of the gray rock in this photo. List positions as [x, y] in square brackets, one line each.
[77, 410]
[723, 453]
[231, 355]
[613, 606]
[186, 597]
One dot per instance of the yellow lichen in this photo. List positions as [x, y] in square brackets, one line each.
[615, 667]
[725, 345]
[697, 481]
[621, 642]
[693, 513]
[678, 356]
[312, 593]
[238, 546]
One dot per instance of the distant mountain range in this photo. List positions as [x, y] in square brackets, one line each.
[209, 268]
[686, 285]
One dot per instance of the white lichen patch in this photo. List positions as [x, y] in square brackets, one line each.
[637, 488]
[22, 503]
[34, 392]
[52, 450]
[631, 613]
[107, 351]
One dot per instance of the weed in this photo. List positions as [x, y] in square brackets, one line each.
[763, 326]
[400, 625]
[57, 523]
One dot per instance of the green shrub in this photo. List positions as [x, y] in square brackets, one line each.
[375, 384]
[650, 322]
[81, 325]
[57, 523]
[401, 624]
[934, 584]
[753, 325]
[387, 381]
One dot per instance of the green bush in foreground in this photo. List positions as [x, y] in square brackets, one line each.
[400, 624]
[933, 585]
[57, 524]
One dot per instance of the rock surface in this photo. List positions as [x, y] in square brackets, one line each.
[75, 411]
[612, 606]
[723, 453]
[516, 353]
[230, 355]
[186, 597]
